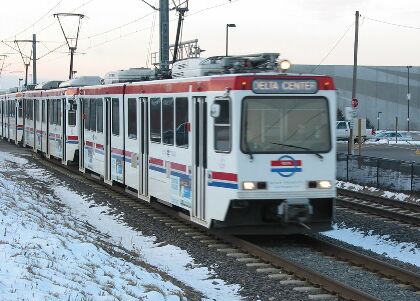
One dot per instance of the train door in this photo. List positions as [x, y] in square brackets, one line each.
[47, 128]
[99, 138]
[89, 129]
[41, 145]
[144, 148]
[132, 142]
[199, 161]
[20, 121]
[37, 125]
[63, 131]
[107, 145]
[13, 119]
[117, 141]
[82, 125]
[1, 118]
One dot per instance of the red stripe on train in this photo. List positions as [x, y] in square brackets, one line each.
[179, 167]
[156, 161]
[286, 163]
[225, 176]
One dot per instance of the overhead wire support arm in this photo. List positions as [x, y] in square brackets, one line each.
[72, 48]
[145, 2]
[26, 62]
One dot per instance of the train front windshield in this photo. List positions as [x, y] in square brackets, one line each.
[285, 125]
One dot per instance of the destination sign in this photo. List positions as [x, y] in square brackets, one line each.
[285, 86]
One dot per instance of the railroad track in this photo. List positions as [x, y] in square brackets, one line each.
[408, 213]
[262, 261]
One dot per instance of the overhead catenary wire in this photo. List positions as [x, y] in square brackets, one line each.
[92, 46]
[334, 46]
[149, 48]
[38, 20]
[72, 11]
[391, 23]
[117, 27]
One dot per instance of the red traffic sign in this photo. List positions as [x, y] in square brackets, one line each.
[354, 102]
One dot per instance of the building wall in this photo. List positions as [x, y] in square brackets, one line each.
[379, 89]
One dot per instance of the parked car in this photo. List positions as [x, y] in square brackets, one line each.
[390, 135]
[343, 132]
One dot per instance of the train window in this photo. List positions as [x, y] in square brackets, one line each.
[181, 122]
[86, 112]
[43, 111]
[222, 132]
[71, 115]
[36, 110]
[20, 110]
[92, 115]
[59, 111]
[54, 111]
[155, 117]
[168, 121]
[132, 118]
[50, 110]
[115, 116]
[31, 110]
[99, 116]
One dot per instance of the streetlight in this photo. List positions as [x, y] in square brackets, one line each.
[378, 120]
[408, 97]
[227, 36]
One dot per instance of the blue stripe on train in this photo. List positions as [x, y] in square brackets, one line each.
[180, 175]
[159, 169]
[223, 185]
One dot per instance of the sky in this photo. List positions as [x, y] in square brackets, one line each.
[120, 34]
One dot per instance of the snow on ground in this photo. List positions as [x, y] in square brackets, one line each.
[405, 252]
[403, 197]
[54, 247]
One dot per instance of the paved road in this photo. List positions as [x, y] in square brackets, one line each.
[396, 152]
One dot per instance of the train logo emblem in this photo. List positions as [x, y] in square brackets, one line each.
[286, 166]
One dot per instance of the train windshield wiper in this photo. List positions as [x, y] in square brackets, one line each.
[300, 147]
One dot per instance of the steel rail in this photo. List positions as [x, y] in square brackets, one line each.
[335, 287]
[366, 261]
[379, 199]
[328, 284]
[380, 211]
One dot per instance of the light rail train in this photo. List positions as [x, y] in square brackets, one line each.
[248, 151]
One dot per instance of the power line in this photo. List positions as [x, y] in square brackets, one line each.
[118, 27]
[138, 30]
[77, 8]
[333, 47]
[392, 24]
[52, 51]
[37, 21]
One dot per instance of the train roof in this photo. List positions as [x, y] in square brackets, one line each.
[203, 84]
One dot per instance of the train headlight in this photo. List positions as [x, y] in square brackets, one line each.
[284, 65]
[249, 185]
[324, 184]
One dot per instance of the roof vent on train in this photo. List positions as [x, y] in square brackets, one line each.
[82, 81]
[253, 63]
[48, 85]
[129, 75]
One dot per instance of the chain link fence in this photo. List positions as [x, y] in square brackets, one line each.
[381, 173]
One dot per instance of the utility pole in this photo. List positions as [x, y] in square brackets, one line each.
[34, 59]
[26, 59]
[164, 36]
[353, 91]
[408, 97]
[71, 41]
